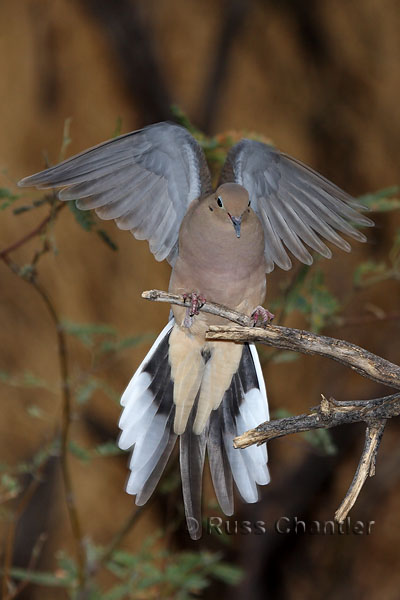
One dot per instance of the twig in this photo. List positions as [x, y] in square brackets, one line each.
[66, 392]
[35, 231]
[330, 413]
[366, 468]
[8, 554]
[208, 307]
[35, 555]
[65, 429]
[360, 360]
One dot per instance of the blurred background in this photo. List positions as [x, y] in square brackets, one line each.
[321, 79]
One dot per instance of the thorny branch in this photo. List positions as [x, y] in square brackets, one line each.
[329, 413]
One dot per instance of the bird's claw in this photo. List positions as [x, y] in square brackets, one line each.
[261, 316]
[196, 302]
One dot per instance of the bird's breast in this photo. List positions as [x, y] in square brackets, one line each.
[225, 269]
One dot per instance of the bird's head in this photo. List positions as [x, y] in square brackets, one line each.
[231, 203]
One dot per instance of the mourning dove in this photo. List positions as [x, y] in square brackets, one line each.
[155, 182]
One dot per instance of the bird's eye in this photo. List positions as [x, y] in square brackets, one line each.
[249, 203]
[219, 202]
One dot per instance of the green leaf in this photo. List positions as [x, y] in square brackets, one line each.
[42, 577]
[27, 379]
[85, 391]
[322, 440]
[21, 209]
[182, 118]
[323, 303]
[106, 239]
[8, 197]
[87, 332]
[84, 218]
[367, 269]
[119, 591]
[82, 453]
[35, 411]
[227, 573]
[285, 357]
[382, 200]
[67, 564]
[125, 343]
[10, 484]
[66, 139]
[109, 448]
[319, 438]
[118, 127]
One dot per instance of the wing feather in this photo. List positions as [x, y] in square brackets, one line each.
[136, 179]
[295, 204]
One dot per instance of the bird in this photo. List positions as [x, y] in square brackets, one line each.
[221, 244]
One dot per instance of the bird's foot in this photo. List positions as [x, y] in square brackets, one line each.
[261, 316]
[196, 302]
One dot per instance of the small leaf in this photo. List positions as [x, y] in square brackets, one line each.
[84, 218]
[125, 343]
[118, 127]
[35, 411]
[86, 332]
[366, 269]
[66, 139]
[10, 484]
[27, 379]
[123, 591]
[182, 118]
[8, 197]
[82, 453]
[227, 573]
[322, 440]
[109, 448]
[382, 200]
[106, 239]
[21, 209]
[85, 392]
[285, 357]
[57, 579]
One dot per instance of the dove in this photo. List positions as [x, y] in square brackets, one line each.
[155, 182]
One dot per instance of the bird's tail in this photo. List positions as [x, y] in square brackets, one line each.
[147, 424]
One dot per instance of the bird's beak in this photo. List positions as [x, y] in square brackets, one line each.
[237, 221]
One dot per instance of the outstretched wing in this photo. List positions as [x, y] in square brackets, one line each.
[294, 203]
[145, 180]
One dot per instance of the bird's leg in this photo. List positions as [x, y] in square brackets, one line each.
[196, 302]
[261, 316]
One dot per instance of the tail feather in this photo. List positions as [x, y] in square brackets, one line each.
[147, 424]
[219, 463]
[154, 477]
[192, 450]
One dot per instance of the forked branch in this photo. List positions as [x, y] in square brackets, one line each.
[329, 413]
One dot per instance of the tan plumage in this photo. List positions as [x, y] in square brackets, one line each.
[155, 183]
[226, 269]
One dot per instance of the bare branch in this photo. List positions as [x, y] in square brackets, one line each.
[208, 307]
[330, 413]
[366, 468]
[360, 360]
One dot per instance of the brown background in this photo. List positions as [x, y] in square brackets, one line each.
[322, 80]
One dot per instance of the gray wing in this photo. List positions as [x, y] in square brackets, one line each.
[145, 180]
[295, 204]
